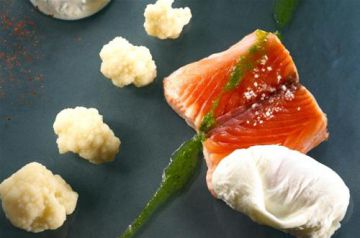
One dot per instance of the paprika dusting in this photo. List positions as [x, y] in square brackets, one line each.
[19, 53]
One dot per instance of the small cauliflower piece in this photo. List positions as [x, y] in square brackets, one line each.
[82, 130]
[34, 199]
[125, 63]
[163, 21]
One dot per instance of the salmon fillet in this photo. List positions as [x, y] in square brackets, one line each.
[268, 105]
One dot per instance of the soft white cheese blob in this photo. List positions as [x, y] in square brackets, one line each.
[283, 188]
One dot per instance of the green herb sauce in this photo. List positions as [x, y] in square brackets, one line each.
[283, 12]
[176, 176]
[208, 122]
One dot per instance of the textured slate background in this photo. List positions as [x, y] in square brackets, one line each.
[324, 40]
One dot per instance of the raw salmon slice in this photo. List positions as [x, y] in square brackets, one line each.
[267, 106]
[192, 89]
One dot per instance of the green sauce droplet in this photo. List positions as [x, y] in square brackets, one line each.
[283, 12]
[176, 176]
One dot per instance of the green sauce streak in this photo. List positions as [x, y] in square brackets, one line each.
[244, 65]
[237, 74]
[283, 12]
[208, 122]
[176, 176]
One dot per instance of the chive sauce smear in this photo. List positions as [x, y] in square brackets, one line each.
[176, 176]
[284, 11]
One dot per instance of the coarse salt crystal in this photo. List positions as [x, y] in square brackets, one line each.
[268, 113]
[249, 94]
[289, 95]
[277, 109]
[264, 60]
[263, 95]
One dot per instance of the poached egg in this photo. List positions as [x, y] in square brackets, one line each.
[284, 189]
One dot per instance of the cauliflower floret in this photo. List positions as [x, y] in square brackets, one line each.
[82, 130]
[163, 21]
[125, 63]
[34, 199]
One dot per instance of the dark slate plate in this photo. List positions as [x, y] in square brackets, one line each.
[57, 66]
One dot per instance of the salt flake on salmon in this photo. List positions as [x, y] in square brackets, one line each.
[247, 95]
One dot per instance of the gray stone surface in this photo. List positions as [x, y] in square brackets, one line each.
[324, 40]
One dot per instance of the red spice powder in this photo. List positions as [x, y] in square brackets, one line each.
[19, 52]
